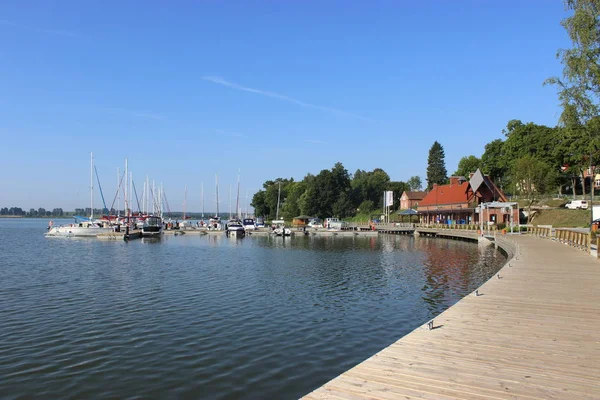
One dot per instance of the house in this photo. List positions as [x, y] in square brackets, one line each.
[411, 199]
[459, 202]
[587, 173]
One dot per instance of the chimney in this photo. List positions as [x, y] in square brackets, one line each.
[454, 180]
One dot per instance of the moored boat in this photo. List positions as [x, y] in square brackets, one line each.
[235, 228]
[152, 226]
[83, 227]
[249, 224]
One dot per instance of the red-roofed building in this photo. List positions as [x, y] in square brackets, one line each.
[458, 202]
[411, 199]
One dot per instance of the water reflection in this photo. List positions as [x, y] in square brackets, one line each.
[210, 316]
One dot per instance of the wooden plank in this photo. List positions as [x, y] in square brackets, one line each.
[531, 335]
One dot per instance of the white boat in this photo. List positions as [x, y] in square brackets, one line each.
[152, 226]
[83, 227]
[235, 228]
[249, 224]
[279, 228]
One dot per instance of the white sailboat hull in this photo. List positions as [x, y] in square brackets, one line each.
[78, 231]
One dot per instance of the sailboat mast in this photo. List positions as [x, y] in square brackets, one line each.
[118, 191]
[229, 201]
[184, 201]
[237, 202]
[278, 198]
[126, 194]
[217, 193]
[91, 186]
[202, 194]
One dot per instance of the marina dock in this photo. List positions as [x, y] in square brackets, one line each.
[528, 333]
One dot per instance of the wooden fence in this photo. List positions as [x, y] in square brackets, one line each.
[581, 240]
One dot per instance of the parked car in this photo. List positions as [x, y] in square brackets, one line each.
[577, 204]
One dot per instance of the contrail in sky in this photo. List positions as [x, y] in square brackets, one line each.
[221, 81]
[58, 32]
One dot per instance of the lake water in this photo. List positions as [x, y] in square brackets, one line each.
[213, 317]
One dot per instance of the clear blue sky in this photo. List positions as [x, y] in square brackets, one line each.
[275, 89]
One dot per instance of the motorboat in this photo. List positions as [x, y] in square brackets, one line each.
[234, 227]
[279, 228]
[152, 226]
[214, 224]
[249, 224]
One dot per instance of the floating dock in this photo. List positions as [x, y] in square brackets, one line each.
[528, 333]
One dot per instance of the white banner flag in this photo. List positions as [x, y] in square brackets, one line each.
[389, 198]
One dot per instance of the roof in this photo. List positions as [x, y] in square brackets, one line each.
[415, 195]
[477, 180]
[409, 211]
[446, 194]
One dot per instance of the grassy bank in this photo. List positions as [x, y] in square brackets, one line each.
[562, 218]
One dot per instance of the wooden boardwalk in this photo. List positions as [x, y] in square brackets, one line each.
[533, 333]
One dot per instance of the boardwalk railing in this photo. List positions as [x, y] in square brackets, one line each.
[581, 240]
[543, 232]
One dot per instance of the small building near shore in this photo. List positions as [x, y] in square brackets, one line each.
[301, 220]
[411, 199]
[459, 202]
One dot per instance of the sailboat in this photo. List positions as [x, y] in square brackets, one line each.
[234, 226]
[280, 229]
[83, 227]
[214, 223]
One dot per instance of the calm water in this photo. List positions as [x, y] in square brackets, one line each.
[213, 317]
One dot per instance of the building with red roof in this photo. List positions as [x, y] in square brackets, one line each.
[411, 199]
[460, 200]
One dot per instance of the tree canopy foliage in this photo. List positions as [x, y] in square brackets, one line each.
[466, 165]
[332, 192]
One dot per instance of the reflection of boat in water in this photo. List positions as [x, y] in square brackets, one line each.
[83, 227]
[235, 228]
[152, 226]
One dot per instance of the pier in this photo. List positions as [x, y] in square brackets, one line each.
[528, 333]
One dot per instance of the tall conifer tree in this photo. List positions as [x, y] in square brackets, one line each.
[436, 166]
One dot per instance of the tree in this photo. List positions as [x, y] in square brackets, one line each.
[259, 204]
[436, 166]
[493, 161]
[532, 178]
[414, 183]
[579, 87]
[369, 186]
[466, 165]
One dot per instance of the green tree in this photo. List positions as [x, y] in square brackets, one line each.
[369, 185]
[493, 161]
[532, 178]
[468, 164]
[579, 87]
[259, 204]
[436, 166]
[291, 208]
[415, 183]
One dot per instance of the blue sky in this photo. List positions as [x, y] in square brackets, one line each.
[188, 89]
